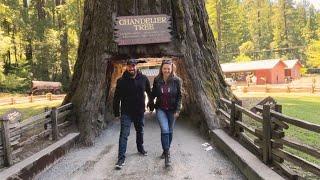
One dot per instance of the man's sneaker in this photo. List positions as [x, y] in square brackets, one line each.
[143, 152]
[162, 155]
[120, 164]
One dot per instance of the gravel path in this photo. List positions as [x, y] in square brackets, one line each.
[189, 159]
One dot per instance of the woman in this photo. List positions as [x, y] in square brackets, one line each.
[167, 89]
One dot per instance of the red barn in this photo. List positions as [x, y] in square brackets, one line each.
[293, 68]
[266, 71]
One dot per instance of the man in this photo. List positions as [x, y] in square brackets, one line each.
[130, 92]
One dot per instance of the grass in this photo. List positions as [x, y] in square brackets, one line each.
[9, 95]
[303, 106]
[30, 109]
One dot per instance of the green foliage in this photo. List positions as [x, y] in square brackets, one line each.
[246, 47]
[31, 43]
[227, 20]
[73, 45]
[303, 71]
[258, 16]
[313, 54]
[274, 29]
[211, 7]
[5, 43]
[2, 76]
[245, 50]
[242, 58]
[13, 83]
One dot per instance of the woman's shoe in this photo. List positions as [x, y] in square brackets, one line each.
[167, 161]
[162, 155]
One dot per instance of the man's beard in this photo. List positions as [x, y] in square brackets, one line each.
[132, 73]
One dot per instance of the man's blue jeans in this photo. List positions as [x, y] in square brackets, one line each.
[166, 121]
[125, 132]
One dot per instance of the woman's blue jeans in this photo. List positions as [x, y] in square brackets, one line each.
[166, 121]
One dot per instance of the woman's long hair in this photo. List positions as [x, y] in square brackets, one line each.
[172, 74]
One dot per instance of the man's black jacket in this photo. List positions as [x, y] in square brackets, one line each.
[130, 92]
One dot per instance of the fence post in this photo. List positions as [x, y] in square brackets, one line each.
[239, 116]
[6, 143]
[31, 98]
[288, 89]
[12, 101]
[278, 108]
[313, 88]
[54, 120]
[266, 148]
[233, 117]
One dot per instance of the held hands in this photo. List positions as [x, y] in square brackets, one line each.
[117, 118]
[176, 114]
[150, 105]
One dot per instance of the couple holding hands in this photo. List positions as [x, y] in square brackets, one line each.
[130, 90]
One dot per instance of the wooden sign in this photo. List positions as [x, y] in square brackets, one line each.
[13, 115]
[149, 29]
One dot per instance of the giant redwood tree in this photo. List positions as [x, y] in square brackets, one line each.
[192, 47]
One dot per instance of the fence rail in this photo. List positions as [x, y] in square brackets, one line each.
[274, 88]
[16, 135]
[30, 99]
[267, 139]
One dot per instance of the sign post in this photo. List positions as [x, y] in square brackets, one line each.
[11, 116]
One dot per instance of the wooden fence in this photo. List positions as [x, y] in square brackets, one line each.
[269, 88]
[29, 99]
[16, 135]
[267, 139]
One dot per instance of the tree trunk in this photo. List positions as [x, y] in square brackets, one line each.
[27, 36]
[13, 40]
[64, 49]
[7, 61]
[193, 47]
[42, 71]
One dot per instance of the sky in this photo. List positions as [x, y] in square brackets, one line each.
[316, 3]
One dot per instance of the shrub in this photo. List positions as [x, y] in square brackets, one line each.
[13, 83]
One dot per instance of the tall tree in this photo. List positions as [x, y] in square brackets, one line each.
[64, 48]
[283, 22]
[258, 17]
[27, 35]
[39, 39]
[9, 20]
[193, 44]
[311, 25]
[41, 19]
[313, 54]
[227, 20]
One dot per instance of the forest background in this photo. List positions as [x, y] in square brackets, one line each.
[39, 38]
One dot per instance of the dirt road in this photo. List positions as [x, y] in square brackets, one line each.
[189, 158]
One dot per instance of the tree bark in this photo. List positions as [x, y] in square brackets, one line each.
[193, 48]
